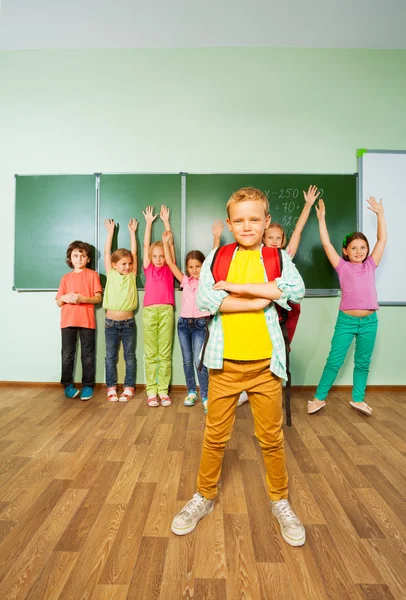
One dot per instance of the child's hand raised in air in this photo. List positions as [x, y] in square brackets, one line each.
[312, 195]
[217, 228]
[149, 214]
[376, 207]
[167, 237]
[320, 209]
[109, 225]
[231, 288]
[164, 214]
[132, 225]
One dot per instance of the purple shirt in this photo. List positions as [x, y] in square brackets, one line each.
[159, 285]
[357, 281]
[189, 309]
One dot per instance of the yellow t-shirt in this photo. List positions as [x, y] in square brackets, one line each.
[120, 292]
[246, 335]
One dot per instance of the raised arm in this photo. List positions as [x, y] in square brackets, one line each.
[329, 249]
[166, 236]
[310, 198]
[109, 225]
[217, 230]
[132, 228]
[149, 219]
[164, 215]
[377, 208]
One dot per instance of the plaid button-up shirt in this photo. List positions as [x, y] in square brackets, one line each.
[292, 287]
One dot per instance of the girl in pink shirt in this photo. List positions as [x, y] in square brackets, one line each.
[157, 316]
[357, 315]
[192, 322]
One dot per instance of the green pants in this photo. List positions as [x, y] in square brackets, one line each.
[363, 329]
[158, 336]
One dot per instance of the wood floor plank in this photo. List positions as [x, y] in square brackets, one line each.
[390, 494]
[390, 564]
[387, 520]
[164, 505]
[119, 565]
[19, 537]
[346, 539]
[178, 577]
[76, 534]
[274, 581]
[215, 589]
[242, 580]
[210, 543]
[328, 563]
[24, 570]
[85, 575]
[53, 576]
[267, 547]
[147, 577]
[376, 592]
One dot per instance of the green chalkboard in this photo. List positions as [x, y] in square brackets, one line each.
[123, 197]
[51, 212]
[207, 197]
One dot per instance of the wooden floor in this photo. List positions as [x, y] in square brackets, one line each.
[89, 489]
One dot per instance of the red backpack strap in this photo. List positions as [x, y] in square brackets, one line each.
[273, 262]
[221, 261]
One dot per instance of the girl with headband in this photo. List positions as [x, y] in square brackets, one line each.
[357, 312]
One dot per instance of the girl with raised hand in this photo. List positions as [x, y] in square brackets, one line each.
[192, 321]
[157, 316]
[357, 313]
[120, 301]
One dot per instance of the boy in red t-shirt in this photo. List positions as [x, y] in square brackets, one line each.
[78, 292]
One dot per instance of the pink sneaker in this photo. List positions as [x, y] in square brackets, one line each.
[127, 394]
[153, 401]
[165, 400]
[112, 394]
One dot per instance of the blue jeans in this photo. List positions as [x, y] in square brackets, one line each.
[191, 334]
[347, 327]
[116, 331]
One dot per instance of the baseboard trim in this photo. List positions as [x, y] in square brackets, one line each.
[182, 388]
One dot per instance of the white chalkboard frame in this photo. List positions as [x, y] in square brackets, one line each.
[382, 174]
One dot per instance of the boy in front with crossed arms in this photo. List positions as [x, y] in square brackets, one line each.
[245, 351]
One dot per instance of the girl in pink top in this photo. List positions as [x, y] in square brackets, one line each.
[157, 316]
[357, 315]
[192, 322]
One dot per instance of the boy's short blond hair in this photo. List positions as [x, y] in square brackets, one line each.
[246, 194]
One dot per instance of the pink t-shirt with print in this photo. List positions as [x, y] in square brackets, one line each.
[357, 282]
[189, 309]
[159, 285]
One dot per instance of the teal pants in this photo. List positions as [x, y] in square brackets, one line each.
[347, 327]
[158, 337]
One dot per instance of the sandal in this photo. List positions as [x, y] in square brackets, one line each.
[314, 405]
[127, 394]
[362, 407]
[152, 401]
[165, 400]
[112, 394]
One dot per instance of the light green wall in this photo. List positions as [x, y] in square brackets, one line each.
[203, 110]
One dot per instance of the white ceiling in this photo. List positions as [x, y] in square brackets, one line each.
[49, 24]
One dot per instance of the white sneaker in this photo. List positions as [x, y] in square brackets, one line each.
[187, 519]
[242, 399]
[362, 407]
[190, 399]
[292, 529]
